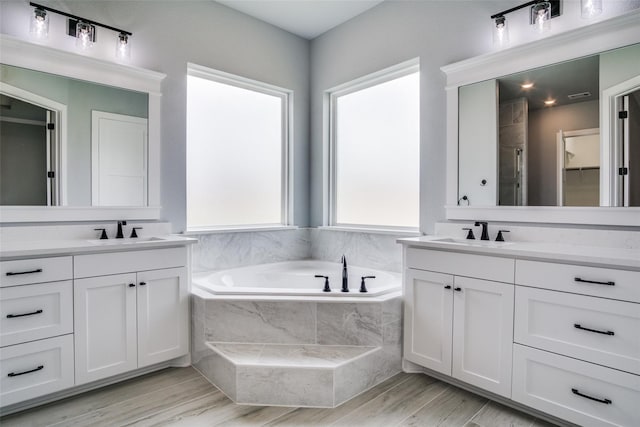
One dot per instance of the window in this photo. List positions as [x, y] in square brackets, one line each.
[237, 151]
[374, 150]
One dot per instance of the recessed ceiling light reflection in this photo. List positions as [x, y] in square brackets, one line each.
[526, 85]
[549, 102]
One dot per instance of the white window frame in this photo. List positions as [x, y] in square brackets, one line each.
[286, 95]
[329, 217]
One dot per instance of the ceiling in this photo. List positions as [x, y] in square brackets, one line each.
[305, 18]
[555, 82]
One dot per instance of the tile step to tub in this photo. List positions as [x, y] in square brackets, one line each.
[322, 376]
[291, 355]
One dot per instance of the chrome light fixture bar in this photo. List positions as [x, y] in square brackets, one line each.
[83, 29]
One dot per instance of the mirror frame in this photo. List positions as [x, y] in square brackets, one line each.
[44, 58]
[584, 41]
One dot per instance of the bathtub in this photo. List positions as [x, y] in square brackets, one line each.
[296, 278]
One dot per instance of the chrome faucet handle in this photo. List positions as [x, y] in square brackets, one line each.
[326, 282]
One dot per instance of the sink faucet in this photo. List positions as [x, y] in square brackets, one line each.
[485, 234]
[119, 234]
[345, 277]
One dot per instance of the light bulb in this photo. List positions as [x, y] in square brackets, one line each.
[541, 15]
[85, 35]
[500, 32]
[590, 8]
[123, 46]
[39, 27]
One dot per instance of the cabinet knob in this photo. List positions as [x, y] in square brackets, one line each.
[132, 285]
[143, 283]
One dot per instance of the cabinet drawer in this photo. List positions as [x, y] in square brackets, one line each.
[576, 391]
[33, 312]
[128, 262]
[588, 328]
[36, 270]
[479, 266]
[35, 369]
[600, 282]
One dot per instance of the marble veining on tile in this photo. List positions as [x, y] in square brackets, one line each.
[350, 324]
[261, 321]
[285, 386]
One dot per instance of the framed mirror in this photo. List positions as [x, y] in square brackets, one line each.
[534, 133]
[79, 137]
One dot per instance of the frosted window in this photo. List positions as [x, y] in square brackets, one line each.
[234, 155]
[377, 139]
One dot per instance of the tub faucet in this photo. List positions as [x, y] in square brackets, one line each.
[345, 276]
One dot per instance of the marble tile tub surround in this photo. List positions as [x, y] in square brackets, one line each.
[291, 327]
[607, 238]
[220, 251]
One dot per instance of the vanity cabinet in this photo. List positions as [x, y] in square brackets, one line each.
[71, 320]
[129, 320]
[456, 325]
[36, 328]
[576, 342]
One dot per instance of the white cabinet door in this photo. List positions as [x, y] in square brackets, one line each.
[483, 334]
[105, 326]
[428, 310]
[163, 329]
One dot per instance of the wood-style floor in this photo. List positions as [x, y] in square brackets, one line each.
[182, 397]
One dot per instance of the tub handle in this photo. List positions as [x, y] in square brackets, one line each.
[363, 288]
[326, 282]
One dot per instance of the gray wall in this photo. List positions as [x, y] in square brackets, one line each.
[438, 32]
[544, 125]
[167, 35]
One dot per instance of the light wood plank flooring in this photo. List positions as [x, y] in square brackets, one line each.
[182, 397]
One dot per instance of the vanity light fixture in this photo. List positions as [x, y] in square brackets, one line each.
[500, 31]
[84, 30]
[540, 13]
[123, 47]
[590, 8]
[540, 16]
[39, 27]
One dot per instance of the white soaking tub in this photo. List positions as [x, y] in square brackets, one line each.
[297, 278]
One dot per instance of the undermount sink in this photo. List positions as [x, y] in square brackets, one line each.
[127, 241]
[470, 242]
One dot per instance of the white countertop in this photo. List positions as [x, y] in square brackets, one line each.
[558, 252]
[31, 248]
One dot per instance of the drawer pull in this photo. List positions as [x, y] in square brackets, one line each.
[448, 287]
[605, 401]
[143, 283]
[12, 316]
[457, 289]
[577, 326]
[17, 273]
[132, 285]
[595, 282]
[16, 374]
